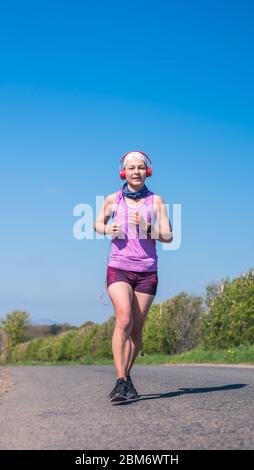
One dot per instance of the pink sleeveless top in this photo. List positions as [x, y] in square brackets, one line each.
[133, 250]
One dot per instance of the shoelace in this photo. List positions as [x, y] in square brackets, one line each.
[117, 383]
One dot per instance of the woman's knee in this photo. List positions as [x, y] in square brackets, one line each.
[124, 322]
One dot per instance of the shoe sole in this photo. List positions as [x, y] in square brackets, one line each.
[124, 400]
[118, 398]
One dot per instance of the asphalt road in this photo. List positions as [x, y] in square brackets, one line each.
[181, 407]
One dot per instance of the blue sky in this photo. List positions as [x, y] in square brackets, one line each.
[82, 83]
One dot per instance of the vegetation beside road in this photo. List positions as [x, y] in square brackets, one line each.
[184, 328]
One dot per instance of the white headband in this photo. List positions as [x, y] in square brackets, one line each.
[132, 155]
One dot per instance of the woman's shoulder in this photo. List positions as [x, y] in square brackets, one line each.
[158, 199]
[157, 203]
[111, 200]
[111, 197]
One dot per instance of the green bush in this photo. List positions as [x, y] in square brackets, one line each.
[177, 325]
[90, 341]
[229, 319]
[173, 326]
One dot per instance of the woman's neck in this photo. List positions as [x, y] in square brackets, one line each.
[132, 189]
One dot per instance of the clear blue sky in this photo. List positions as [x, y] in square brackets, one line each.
[83, 82]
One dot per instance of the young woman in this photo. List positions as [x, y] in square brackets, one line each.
[132, 276]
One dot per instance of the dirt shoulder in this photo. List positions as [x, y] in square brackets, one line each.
[6, 382]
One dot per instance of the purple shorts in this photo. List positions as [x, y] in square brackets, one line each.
[140, 281]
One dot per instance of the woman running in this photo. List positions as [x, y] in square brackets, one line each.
[132, 266]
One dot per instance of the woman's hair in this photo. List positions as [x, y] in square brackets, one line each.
[132, 155]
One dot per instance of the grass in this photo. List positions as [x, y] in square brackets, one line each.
[86, 361]
[239, 355]
[234, 355]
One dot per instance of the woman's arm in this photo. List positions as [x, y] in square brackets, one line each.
[100, 224]
[163, 232]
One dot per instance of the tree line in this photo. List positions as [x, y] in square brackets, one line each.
[223, 318]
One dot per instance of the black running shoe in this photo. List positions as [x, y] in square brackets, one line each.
[119, 392]
[131, 392]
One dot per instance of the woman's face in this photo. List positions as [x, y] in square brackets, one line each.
[136, 173]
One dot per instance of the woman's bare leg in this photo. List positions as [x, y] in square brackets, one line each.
[140, 306]
[121, 294]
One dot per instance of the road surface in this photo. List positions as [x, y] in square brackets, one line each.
[181, 407]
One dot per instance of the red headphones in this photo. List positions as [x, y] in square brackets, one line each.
[148, 169]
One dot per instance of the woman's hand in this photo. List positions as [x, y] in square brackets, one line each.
[136, 219]
[113, 229]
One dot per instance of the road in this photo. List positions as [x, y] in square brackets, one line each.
[181, 407]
